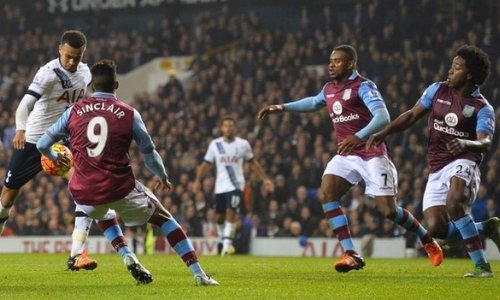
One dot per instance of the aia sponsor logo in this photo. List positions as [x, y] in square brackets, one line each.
[226, 159]
[71, 96]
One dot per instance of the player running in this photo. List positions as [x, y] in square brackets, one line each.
[461, 127]
[357, 110]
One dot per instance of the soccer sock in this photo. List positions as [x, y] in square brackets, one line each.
[338, 223]
[406, 220]
[182, 245]
[220, 231]
[4, 215]
[471, 239]
[114, 235]
[454, 233]
[227, 236]
[80, 233]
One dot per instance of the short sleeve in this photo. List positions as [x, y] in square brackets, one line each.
[210, 155]
[248, 151]
[486, 120]
[42, 80]
[428, 95]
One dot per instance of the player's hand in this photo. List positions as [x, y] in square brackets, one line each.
[271, 109]
[456, 146]
[375, 140]
[19, 140]
[348, 144]
[269, 185]
[164, 184]
[62, 160]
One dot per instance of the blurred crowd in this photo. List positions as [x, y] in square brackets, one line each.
[240, 65]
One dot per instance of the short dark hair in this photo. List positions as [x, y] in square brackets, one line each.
[477, 63]
[227, 118]
[352, 55]
[74, 38]
[104, 75]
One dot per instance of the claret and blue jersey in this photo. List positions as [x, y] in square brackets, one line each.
[351, 105]
[454, 116]
[101, 130]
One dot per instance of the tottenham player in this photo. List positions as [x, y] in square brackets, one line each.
[228, 153]
[57, 85]
[461, 126]
[101, 129]
[357, 110]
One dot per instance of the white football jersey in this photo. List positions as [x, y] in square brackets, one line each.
[56, 89]
[228, 158]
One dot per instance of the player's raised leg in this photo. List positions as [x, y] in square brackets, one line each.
[23, 166]
[6, 202]
[492, 230]
[387, 206]
[489, 228]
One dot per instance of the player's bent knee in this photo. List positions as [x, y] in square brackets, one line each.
[325, 197]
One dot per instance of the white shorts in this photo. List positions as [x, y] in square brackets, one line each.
[135, 209]
[439, 182]
[379, 173]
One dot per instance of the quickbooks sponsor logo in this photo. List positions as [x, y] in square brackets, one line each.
[342, 119]
[450, 130]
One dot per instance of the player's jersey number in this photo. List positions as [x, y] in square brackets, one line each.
[98, 139]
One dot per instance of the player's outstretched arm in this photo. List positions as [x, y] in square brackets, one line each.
[308, 104]
[401, 123]
[270, 109]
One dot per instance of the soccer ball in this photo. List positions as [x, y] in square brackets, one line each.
[50, 167]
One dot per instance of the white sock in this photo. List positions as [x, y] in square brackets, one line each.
[227, 236]
[220, 231]
[80, 235]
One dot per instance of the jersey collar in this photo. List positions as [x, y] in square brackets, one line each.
[103, 95]
[354, 75]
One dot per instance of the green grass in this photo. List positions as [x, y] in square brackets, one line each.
[42, 276]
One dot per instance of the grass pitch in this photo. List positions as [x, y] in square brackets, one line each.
[43, 276]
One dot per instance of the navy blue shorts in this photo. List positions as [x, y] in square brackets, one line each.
[23, 166]
[232, 200]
